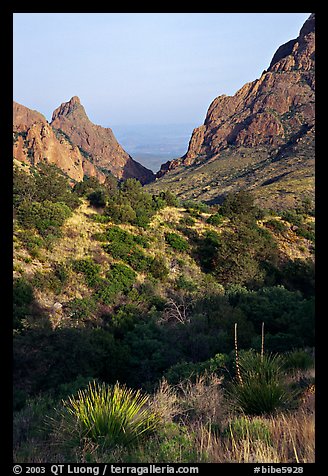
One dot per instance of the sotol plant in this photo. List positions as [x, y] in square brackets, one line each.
[259, 387]
[111, 415]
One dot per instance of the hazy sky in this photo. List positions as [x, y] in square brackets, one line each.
[135, 68]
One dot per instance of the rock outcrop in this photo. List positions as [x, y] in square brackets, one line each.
[98, 142]
[269, 111]
[36, 141]
[72, 143]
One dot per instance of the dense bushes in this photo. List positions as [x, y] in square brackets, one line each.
[124, 326]
[125, 202]
[176, 241]
[237, 256]
[46, 217]
[42, 202]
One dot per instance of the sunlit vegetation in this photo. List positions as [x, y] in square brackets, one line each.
[124, 311]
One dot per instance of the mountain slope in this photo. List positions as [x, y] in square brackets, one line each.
[263, 135]
[99, 142]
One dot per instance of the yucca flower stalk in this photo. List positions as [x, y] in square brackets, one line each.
[112, 415]
[263, 389]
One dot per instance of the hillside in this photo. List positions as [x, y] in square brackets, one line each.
[261, 139]
[114, 285]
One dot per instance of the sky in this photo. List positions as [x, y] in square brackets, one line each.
[142, 68]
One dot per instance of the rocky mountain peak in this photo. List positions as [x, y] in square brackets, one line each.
[97, 143]
[267, 120]
[67, 108]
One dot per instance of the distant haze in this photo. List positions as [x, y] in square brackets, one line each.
[153, 144]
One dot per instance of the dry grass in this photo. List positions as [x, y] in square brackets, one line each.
[201, 407]
[292, 440]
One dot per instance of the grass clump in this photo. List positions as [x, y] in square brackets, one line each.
[244, 428]
[111, 416]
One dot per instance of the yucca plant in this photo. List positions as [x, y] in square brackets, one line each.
[259, 385]
[111, 415]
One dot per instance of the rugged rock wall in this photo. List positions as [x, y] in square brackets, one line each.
[73, 143]
[269, 111]
[99, 142]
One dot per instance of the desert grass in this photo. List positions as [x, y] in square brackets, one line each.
[292, 440]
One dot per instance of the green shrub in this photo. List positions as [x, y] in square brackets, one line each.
[98, 198]
[292, 217]
[89, 268]
[110, 415]
[122, 276]
[243, 428]
[215, 219]
[47, 217]
[32, 242]
[262, 389]
[81, 308]
[47, 280]
[276, 225]
[191, 370]
[22, 300]
[158, 268]
[196, 206]
[176, 242]
[173, 443]
[239, 205]
[189, 221]
[298, 360]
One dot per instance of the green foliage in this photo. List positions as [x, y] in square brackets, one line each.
[191, 371]
[276, 226]
[52, 185]
[81, 308]
[189, 221]
[86, 186]
[45, 359]
[172, 443]
[239, 205]
[299, 275]
[110, 415]
[243, 428]
[158, 268]
[98, 198]
[262, 390]
[126, 247]
[24, 187]
[167, 198]
[215, 219]
[292, 217]
[237, 257]
[89, 268]
[288, 317]
[22, 299]
[298, 360]
[46, 217]
[32, 242]
[176, 241]
[200, 207]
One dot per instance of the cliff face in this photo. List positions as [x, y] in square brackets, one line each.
[36, 141]
[73, 143]
[98, 142]
[269, 111]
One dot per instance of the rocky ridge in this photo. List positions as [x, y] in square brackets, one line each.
[72, 143]
[97, 141]
[272, 113]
